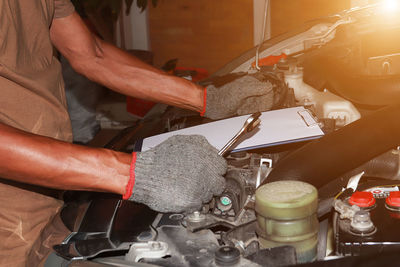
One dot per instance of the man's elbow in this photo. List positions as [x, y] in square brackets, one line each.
[86, 60]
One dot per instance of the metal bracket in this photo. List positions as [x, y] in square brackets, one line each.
[263, 162]
[151, 249]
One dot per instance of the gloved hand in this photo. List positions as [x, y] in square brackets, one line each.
[179, 174]
[238, 94]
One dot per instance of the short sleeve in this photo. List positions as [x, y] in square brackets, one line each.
[63, 8]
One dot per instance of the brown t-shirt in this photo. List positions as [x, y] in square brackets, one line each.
[32, 89]
[32, 99]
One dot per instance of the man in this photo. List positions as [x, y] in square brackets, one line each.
[35, 129]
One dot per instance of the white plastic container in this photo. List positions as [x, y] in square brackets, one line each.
[326, 104]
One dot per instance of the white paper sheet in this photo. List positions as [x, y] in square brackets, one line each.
[276, 127]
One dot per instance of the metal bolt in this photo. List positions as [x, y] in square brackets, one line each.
[196, 217]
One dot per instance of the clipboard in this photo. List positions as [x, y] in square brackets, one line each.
[277, 127]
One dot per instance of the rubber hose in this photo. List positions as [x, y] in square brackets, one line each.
[364, 89]
[386, 166]
[339, 152]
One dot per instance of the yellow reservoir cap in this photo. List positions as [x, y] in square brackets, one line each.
[286, 200]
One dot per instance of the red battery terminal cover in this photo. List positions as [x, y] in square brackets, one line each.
[362, 199]
[393, 200]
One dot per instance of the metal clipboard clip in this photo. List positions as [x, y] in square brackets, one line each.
[308, 118]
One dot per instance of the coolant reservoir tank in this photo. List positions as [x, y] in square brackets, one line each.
[287, 215]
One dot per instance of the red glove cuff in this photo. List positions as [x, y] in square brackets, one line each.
[204, 102]
[131, 182]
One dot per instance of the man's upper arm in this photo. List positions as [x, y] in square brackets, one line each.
[72, 38]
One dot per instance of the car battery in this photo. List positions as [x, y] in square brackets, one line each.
[374, 224]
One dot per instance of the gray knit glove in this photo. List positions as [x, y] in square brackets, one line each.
[179, 174]
[233, 95]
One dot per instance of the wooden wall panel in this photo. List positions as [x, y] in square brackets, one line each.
[287, 14]
[210, 33]
[201, 33]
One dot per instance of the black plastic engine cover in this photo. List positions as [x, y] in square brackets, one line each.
[106, 224]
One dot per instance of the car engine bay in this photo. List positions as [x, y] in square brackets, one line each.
[327, 202]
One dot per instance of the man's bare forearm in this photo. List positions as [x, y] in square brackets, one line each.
[141, 82]
[119, 70]
[44, 161]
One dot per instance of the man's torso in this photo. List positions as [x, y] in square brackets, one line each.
[32, 99]
[30, 76]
